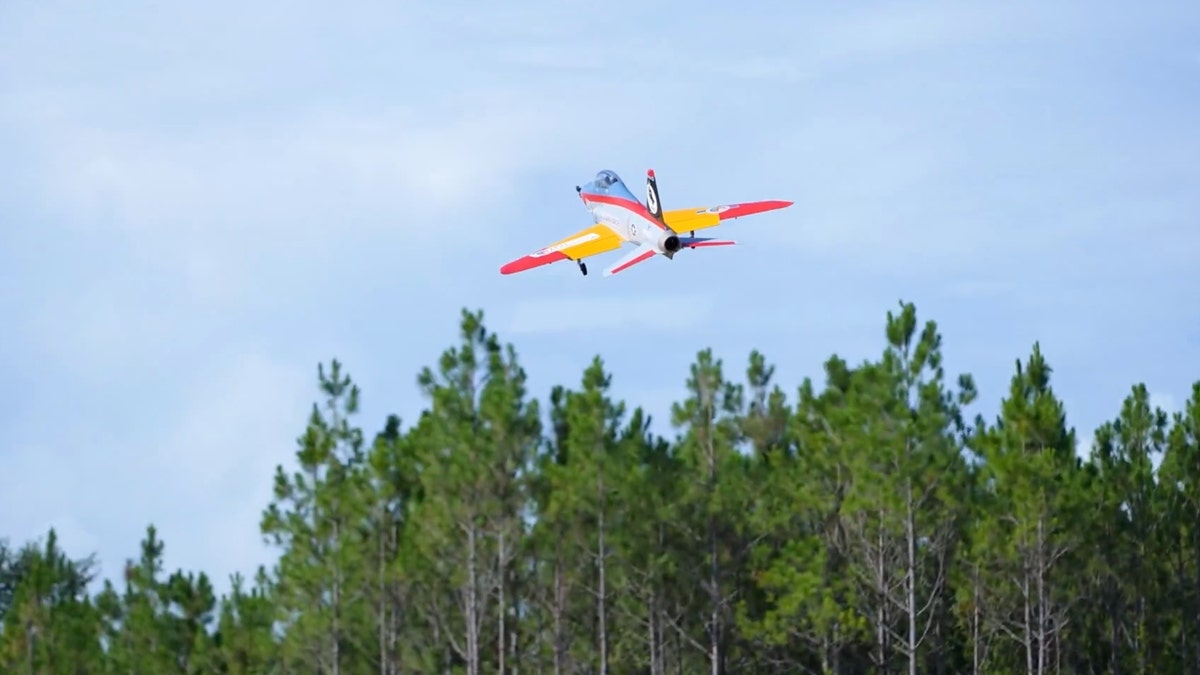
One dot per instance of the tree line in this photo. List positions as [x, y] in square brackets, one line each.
[863, 525]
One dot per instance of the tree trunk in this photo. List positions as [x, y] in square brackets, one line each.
[337, 603]
[1027, 623]
[382, 616]
[826, 661]
[501, 642]
[30, 648]
[1196, 619]
[1043, 618]
[658, 646]
[714, 571]
[976, 619]
[560, 600]
[394, 634]
[715, 616]
[678, 653]
[517, 587]
[657, 664]
[881, 616]
[1114, 617]
[472, 602]
[602, 599]
[911, 584]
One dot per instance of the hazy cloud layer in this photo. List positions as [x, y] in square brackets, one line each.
[201, 203]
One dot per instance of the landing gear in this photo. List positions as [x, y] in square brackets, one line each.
[583, 268]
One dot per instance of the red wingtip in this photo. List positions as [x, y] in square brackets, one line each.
[650, 173]
[531, 261]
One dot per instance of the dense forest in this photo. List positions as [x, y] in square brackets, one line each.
[862, 525]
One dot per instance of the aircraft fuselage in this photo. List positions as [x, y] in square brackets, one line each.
[611, 203]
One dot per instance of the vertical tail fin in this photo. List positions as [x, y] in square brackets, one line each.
[653, 205]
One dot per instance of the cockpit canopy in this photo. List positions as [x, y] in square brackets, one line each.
[606, 179]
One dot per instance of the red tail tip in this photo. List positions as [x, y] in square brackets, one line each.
[650, 173]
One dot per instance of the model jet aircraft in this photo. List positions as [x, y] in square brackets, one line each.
[620, 218]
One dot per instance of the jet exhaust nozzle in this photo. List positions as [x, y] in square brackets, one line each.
[669, 243]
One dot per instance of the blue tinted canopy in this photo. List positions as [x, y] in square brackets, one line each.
[606, 178]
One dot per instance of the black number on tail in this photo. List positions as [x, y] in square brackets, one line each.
[652, 197]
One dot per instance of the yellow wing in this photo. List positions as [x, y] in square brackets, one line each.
[689, 220]
[594, 240]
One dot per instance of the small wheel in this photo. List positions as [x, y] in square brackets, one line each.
[583, 268]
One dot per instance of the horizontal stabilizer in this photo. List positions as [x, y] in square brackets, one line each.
[640, 254]
[704, 242]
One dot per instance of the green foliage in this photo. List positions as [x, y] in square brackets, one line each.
[862, 526]
[50, 624]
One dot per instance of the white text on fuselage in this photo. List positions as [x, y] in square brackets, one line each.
[606, 217]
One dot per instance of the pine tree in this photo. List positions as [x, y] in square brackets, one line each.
[1024, 542]
[801, 566]
[713, 498]
[244, 642]
[582, 493]
[1180, 487]
[156, 624]
[863, 529]
[476, 442]
[49, 623]
[317, 518]
[394, 481]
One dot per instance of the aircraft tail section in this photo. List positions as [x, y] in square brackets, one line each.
[653, 205]
[645, 252]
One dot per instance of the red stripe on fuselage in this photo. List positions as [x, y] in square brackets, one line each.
[635, 206]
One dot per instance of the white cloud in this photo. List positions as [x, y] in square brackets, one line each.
[31, 502]
[775, 70]
[664, 312]
[894, 31]
[253, 186]
[216, 463]
[1083, 444]
[1163, 401]
[202, 475]
[300, 180]
[100, 330]
[232, 216]
[977, 287]
[223, 194]
[211, 159]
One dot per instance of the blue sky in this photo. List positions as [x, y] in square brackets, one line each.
[199, 203]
